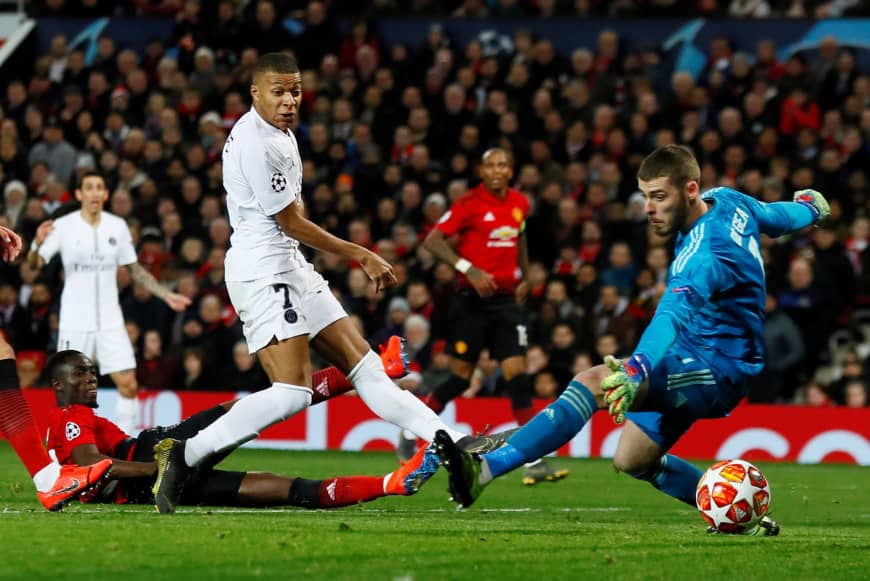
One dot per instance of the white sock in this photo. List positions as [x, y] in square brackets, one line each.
[246, 419]
[127, 414]
[394, 404]
[44, 479]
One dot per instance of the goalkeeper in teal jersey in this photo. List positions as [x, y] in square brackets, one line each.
[693, 361]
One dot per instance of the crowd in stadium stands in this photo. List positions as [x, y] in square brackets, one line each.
[390, 135]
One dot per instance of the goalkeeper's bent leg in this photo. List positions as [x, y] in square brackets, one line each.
[549, 430]
[673, 476]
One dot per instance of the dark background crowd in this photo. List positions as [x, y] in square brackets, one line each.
[390, 135]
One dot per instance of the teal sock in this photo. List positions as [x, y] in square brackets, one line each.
[675, 477]
[549, 430]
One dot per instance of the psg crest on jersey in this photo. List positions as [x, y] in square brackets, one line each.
[72, 431]
[279, 182]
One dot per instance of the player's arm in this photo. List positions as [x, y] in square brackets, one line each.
[44, 246]
[523, 262]
[436, 243]
[177, 302]
[685, 295]
[778, 218]
[87, 454]
[296, 225]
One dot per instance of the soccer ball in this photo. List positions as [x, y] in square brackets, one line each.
[732, 496]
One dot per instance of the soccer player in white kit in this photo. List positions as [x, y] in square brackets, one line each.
[282, 302]
[92, 245]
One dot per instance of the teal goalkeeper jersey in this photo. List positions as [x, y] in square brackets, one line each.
[713, 307]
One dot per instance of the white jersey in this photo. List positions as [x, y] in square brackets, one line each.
[91, 256]
[262, 173]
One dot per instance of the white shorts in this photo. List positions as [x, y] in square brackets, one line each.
[111, 348]
[285, 305]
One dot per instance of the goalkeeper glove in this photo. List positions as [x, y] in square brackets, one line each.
[620, 387]
[815, 201]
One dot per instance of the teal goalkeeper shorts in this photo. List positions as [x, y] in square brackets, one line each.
[682, 389]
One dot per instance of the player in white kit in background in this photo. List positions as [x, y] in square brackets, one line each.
[92, 245]
[283, 303]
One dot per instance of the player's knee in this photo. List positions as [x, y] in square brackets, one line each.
[290, 398]
[591, 380]
[634, 466]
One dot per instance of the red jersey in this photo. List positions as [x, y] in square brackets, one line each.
[489, 230]
[76, 425]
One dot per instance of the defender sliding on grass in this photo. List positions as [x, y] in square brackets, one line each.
[698, 353]
[76, 434]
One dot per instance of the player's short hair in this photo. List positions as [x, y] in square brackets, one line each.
[58, 360]
[275, 62]
[491, 150]
[90, 174]
[675, 162]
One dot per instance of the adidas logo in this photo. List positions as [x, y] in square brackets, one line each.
[322, 388]
[330, 489]
[489, 217]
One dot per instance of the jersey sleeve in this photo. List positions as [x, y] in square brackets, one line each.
[778, 218]
[126, 250]
[454, 220]
[696, 274]
[275, 179]
[51, 245]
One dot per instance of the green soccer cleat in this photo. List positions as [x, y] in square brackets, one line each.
[484, 443]
[172, 472]
[542, 472]
[463, 470]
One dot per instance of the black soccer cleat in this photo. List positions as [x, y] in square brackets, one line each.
[172, 473]
[463, 470]
[484, 443]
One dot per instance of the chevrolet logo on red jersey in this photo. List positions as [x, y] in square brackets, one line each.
[503, 236]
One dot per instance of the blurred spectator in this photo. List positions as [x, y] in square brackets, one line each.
[784, 350]
[856, 394]
[244, 373]
[155, 369]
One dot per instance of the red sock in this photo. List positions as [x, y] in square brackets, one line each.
[16, 421]
[523, 415]
[343, 491]
[433, 403]
[329, 383]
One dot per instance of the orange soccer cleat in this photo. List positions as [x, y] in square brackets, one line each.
[73, 481]
[394, 357]
[408, 479]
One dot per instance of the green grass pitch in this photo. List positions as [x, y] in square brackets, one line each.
[594, 525]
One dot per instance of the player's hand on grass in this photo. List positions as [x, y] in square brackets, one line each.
[621, 386]
[816, 202]
[11, 243]
[482, 281]
[378, 270]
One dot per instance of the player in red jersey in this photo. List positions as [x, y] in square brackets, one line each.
[56, 485]
[77, 434]
[492, 258]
